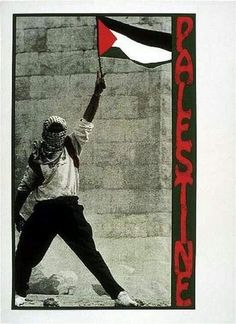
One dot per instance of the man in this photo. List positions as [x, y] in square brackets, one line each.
[47, 204]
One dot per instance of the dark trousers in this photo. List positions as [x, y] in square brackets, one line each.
[65, 217]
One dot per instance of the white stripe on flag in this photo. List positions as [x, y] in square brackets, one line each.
[140, 52]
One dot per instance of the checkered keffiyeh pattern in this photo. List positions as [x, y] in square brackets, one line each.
[54, 140]
[54, 119]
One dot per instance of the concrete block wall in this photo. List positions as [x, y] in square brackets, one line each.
[126, 167]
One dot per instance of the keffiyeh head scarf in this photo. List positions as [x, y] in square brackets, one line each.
[49, 150]
[54, 133]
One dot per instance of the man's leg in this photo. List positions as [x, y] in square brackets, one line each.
[77, 233]
[35, 239]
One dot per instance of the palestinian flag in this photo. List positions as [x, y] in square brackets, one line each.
[142, 46]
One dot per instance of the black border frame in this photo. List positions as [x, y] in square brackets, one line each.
[192, 195]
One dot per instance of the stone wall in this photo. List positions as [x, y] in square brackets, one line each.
[126, 168]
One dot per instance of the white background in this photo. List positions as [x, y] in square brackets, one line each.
[215, 268]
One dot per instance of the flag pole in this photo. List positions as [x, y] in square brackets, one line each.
[99, 58]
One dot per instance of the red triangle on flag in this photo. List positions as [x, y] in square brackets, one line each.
[105, 38]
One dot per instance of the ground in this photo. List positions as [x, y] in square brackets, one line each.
[36, 300]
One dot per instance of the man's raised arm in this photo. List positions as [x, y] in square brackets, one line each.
[93, 104]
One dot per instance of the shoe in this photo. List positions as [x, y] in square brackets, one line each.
[123, 299]
[19, 300]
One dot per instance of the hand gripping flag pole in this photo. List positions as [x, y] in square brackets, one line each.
[99, 58]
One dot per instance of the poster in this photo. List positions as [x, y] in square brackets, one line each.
[189, 250]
